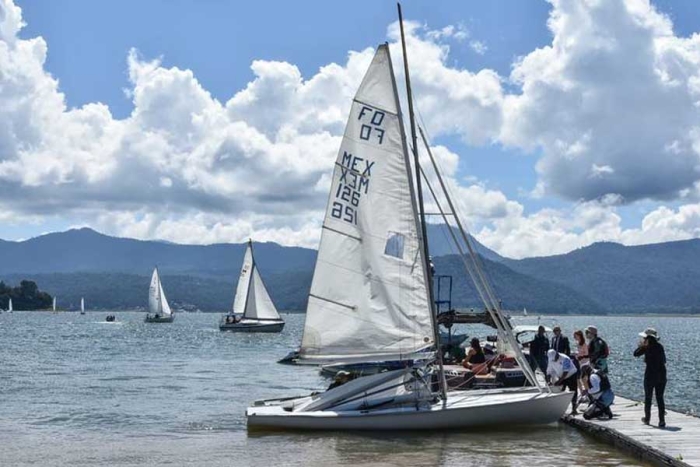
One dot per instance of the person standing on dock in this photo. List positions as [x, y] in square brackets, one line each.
[581, 358]
[538, 350]
[561, 371]
[654, 375]
[598, 350]
[560, 343]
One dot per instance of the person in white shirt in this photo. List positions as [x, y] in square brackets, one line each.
[599, 393]
[561, 371]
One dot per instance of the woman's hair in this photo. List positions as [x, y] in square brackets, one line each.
[578, 335]
[475, 344]
[586, 370]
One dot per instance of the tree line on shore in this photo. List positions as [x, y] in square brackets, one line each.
[26, 296]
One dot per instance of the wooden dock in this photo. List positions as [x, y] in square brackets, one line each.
[676, 445]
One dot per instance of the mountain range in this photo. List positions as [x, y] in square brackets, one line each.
[113, 273]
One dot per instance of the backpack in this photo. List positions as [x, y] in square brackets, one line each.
[605, 352]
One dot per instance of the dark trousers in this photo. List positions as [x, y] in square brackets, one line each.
[571, 383]
[651, 386]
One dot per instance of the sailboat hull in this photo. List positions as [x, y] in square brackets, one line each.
[160, 319]
[253, 326]
[480, 409]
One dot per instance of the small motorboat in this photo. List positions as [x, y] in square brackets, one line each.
[110, 318]
[157, 303]
[253, 310]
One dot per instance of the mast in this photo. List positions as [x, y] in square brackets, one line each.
[160, 295]
[421, 213]
[250, 276]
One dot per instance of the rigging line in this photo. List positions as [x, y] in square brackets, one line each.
[446, 189]
[456, 242]
[478, 260]
[495, 309]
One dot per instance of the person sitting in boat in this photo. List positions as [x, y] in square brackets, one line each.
[561, 371]
[599, 394]
[340, 378]
[476, 359]
[156, 316]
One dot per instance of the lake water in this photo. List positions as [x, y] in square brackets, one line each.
[75, 390]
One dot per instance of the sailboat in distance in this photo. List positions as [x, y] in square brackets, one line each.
[53, 305]
[253, 310]
[158, 307]
[371, 294]
[82, 305]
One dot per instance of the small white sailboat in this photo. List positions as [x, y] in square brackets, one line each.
[9, 307]
[53, 305]
[158, 307]
[524, 311]
[82, 305]
[253, 310]
[371, 294]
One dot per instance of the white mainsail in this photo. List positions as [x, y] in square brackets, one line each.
[82, 304]
[369, 298]
[53, 306]
[9, 306]
[252, 299]
[239, 301]
[157, 303]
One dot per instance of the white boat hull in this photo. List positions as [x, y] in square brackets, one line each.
[477, 409]
[253, 326]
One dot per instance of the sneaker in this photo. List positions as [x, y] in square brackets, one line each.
[645, 420]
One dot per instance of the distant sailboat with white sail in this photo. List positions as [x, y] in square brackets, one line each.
[9, 306]
[82, 305]
[158, 307]
[53, 305]
[253, 310]
[371, 294]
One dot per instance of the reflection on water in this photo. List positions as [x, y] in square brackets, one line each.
[75, 390]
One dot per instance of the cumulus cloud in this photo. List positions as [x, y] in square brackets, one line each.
[609, 111]
[612, 103]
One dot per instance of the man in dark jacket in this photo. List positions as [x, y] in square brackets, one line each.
[560, 343]
[538, 350]
[654, 375]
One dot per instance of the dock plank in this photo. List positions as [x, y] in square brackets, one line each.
[676, 445]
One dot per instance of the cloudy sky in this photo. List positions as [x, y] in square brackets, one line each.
[561, 123]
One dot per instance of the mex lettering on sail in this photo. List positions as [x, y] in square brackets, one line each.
[355, 170]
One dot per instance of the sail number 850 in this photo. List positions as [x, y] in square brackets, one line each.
[344, 212]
